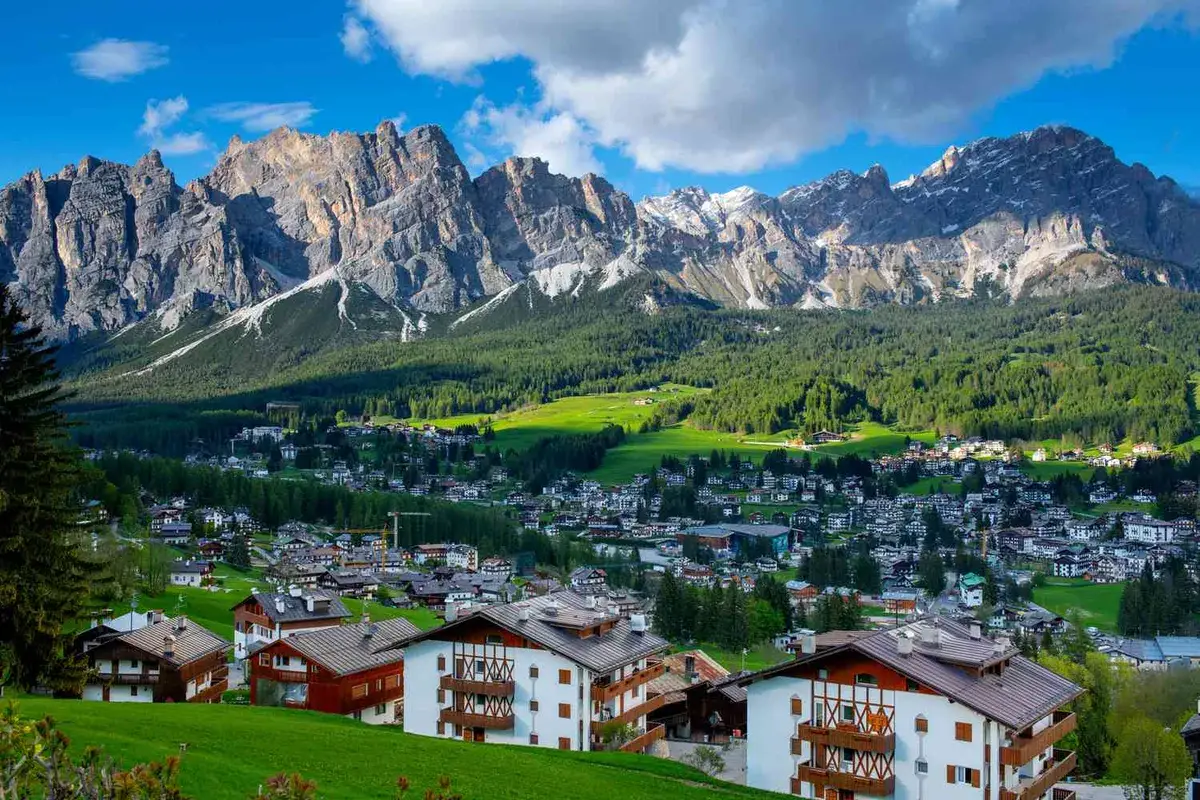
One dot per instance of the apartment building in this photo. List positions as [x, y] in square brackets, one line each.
[347, 669]
[562, 670]
[929, 710]
[163, 661]
[264, 617]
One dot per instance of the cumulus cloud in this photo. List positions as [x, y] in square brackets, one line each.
[257, 117]
[163, 114]
[557, 138]
[356, 39]
[719, 86]
[117, 60]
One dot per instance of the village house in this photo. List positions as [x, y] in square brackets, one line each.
[190, 573]
[164, 661]
[264, 617]
[349, 670]
[588, 580]
[548, 672]
[970, 590]
[926, 710]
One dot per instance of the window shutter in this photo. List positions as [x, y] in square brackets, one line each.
[949, 773]
[975, 778]
[962, 731]
[564, 676]
[797, 706]
[441, 664]
[564, 710]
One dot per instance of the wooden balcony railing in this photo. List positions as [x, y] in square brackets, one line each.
[469, 720]
[128, 678]
[641, 709]
[876, 787]
[1062, 794]
[1055, 770]
[489, 688]
[648, 738]
[843, 737]
[604, 690]
[1024, 748]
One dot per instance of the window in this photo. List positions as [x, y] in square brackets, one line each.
[564, 743]
[962, 731]
[822, 674]
[359, 691]
[441, 664]
[911, 686]
[133, 691]
[533, 738]
[533, 672]
[922, 725]
[564, 710]
[866, 679]
[922, 766]
[441, 729]
[441, 696]
[819, 714]
[381, 709]
[264, 660]
[564, 676]
[493, 638]
[962, 775]
[847, 712]
[133, 664]
[797, 706]
[848, 759]
[533, 705]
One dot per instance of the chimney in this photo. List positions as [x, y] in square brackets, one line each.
[552, 608]
[280, 606]
[689, 668]
[613, 609]
[904, 644]
[591, 601]
[976, 631]
[168, 646]
[808, 645]
[366, 617]
[295, 591]
[451, 611]
[522, 612]
[156, 616]
[310, 603]
[929, 635]
[181, 623]
[637, 623]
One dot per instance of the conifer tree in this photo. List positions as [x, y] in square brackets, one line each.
[43, 580]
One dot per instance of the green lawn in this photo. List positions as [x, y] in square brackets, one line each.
[1045, 470]
[1097, 603]
[642, 452]
[231, 750]
[932, 485]
[872, 439]
[759, 657]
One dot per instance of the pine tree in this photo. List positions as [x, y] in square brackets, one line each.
[239, 553]
[668, 608]
[43, 577]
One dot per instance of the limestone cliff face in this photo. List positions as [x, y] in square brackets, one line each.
[101, 245]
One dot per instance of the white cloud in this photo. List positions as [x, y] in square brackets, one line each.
[557, 138]
[719, 86]
[400, 120]
[116, 60]
[257, 117]
[163, 114]
[356, 39]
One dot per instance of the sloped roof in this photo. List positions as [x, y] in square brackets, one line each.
[602, 653]
[1021, 694]
[295, 609]
[675, 679]
[344, 649]
[193, 642]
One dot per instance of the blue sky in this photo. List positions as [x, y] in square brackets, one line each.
[683, 92]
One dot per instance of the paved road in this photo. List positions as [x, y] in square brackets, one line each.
[735, 758]
[1087, 791]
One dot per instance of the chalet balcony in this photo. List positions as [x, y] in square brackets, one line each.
[1025, 747]
[648, 738]
[1056, 769]
[470, 720]
[1062, 794]
[876, 787]
[843, 736]
[128, 678]
[488, 688]
[605, 689]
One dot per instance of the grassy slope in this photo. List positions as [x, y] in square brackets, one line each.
[231, 750]
[213, 609]
[1096, 603]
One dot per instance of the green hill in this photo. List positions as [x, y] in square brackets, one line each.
[233, 749]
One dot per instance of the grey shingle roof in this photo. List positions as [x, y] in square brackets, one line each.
[194, 641]
[295, 609]
[1019, 696]
[347, 648]
[603, 653]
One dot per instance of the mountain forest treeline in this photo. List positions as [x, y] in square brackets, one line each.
[1102, 366]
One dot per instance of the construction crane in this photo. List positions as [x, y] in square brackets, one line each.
[396, 515]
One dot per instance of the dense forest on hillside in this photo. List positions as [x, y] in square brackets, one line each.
[1103, 365]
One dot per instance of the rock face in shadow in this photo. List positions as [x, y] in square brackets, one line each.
[101, 245]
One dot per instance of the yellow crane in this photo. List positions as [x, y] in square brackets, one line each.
[395, 515]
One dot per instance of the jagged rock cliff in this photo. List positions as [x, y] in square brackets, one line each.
[101, 245]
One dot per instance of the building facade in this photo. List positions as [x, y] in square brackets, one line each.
[556, 671]
[264, 617]
[924, 711]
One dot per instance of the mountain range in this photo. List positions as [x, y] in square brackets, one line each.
[394, 236]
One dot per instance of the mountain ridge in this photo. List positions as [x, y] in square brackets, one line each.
[100, 246]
